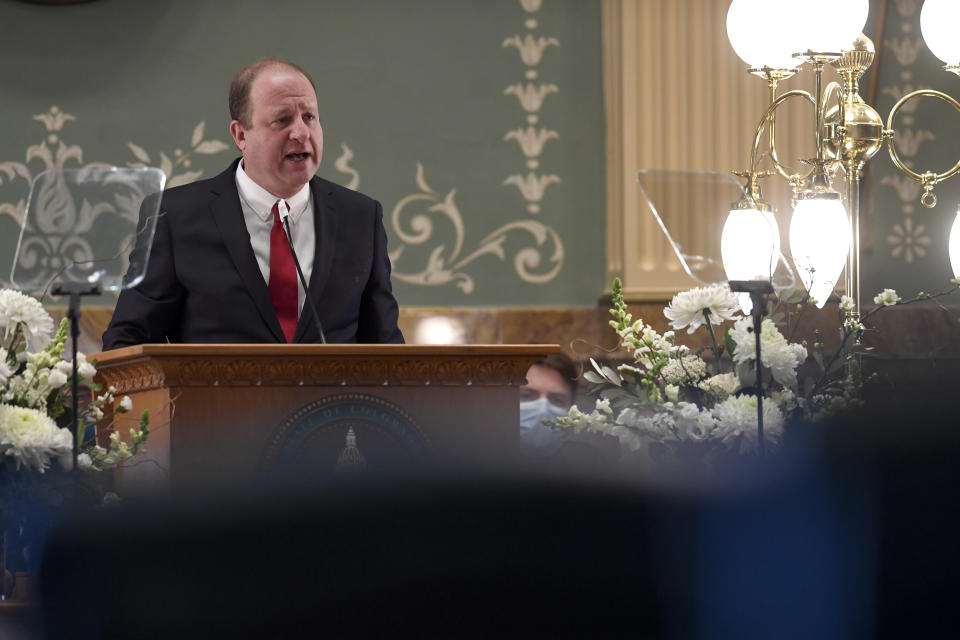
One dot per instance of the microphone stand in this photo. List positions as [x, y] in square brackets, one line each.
[75, 290]
[757, 289]
[303, 281]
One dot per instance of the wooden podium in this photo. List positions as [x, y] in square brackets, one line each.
[227, 414]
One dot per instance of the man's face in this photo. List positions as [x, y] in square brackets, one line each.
[283, 144]
[546, 382]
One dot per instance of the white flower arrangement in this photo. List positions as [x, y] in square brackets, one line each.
[34, 390]
[668, 400]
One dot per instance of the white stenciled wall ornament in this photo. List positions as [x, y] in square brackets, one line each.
[531, 6]
[531, 49]
[52, 152]
[414, 225]
[906, 240]
[531, 97]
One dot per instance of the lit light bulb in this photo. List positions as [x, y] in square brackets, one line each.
[955, 246]
[938, 22]
[753, 28]
[819, 242]
[749, 247]
[824, 26]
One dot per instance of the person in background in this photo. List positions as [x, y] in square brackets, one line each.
[548, 394]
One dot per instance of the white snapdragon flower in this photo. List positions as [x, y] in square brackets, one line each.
[688, 308]
[887, 297]
[630, 417]
[846, 303]
[56, 378]
[126, 404]
[84, 368]
[603, 406]
[694, 423]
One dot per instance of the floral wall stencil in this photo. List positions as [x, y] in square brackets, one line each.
[909, 243]
[531, 97]
[53, 152]
[478, 126]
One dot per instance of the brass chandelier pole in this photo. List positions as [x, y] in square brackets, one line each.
[853, 133]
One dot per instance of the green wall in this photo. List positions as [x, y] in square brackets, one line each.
[405, 86]
[908, 242]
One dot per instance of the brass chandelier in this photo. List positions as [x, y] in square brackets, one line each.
[776, 41]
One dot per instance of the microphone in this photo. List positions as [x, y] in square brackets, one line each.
[285, 219]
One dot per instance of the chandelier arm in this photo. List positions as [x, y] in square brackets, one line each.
[768, 118]
[928, 178]
[785, 172]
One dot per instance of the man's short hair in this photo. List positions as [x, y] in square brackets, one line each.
[241, 83]
[563, 365]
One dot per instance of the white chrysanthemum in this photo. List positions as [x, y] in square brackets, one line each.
[736, 421]
[688, 369]
[19, 309]
[31, 438]
[780, 356]
[846, 303]
[887, 297]
[687, 307]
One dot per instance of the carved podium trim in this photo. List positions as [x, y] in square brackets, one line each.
[146, 367]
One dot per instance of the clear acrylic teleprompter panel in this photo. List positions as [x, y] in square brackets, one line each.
[94, 224]
[691, 208]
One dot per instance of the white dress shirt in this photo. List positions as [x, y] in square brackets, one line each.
[257, 204]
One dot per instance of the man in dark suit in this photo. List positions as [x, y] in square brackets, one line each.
[221, 268]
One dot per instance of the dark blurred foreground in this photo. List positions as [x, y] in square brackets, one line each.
[852, 533]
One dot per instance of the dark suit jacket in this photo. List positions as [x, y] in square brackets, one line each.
[203, 283]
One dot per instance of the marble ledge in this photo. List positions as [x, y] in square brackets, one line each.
[915, 331]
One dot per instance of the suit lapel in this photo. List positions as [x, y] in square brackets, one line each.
[325, 223]
[229, 219]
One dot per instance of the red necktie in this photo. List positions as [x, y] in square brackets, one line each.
[283, 278]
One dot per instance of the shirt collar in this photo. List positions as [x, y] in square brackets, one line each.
[261, 201]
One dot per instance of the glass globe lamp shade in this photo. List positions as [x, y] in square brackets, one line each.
[749, 244]
[955, 246]
[825, 26]
[749, 247]
[938, 22]
[819, 242]
[754, 28]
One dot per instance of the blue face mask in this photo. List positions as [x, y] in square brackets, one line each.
[533, 432]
